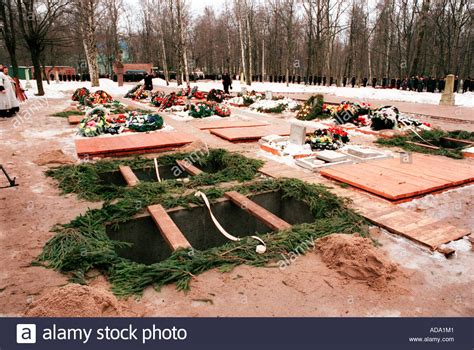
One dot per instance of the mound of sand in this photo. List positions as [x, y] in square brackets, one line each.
[357, 258]
[75, 300]
[53, 157]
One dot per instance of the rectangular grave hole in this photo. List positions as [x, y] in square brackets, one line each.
[148, 245]
[291, 210]
[148, 174]
[197, 226]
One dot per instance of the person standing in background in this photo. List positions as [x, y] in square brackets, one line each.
[226, 82]
[9, 104]
[148, 82]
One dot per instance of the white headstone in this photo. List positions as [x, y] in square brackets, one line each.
[244, 90]
[27, 78]
[297, 134]
[269, 95]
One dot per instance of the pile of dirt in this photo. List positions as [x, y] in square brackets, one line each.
[357, 258]
[53, 157]
[75, 300]
[195, 146]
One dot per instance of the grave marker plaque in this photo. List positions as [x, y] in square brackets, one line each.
[297, 134]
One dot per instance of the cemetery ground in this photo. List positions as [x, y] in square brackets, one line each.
[416, 281]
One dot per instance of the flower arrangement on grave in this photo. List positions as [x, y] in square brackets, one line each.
[201, 110]
[157, 98]
[199, 95]
[350, 112]
[328, 139]
[132, 91]
[216, 95]
[314, 108]
[279, 108]
[119, 119]
[389, 117]
[99, 97]
[169, 101]
[252, 97]
[144, 122]
[80, 94]
[138, 93]
[94, 123]
[385, 118]
[222, 110]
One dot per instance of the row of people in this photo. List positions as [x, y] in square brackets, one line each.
[414, 83]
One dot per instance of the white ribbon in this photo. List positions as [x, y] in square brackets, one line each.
[156, 170]
[260, 249]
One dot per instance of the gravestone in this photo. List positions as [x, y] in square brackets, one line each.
[56, 76]
[268, 95]
[244, 90]
[27, 78]
[447, 98]
[297, 134]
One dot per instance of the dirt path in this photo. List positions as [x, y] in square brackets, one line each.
[429, 285]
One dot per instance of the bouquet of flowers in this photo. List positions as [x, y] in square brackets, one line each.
[157, 98]
[349, 112]
[99, 97]
[199, 95]
[80, 94]
[252, 97]
[94, 123]
[385, 118]
[138, 93]
[201, 110]
[216, 95]
[169, 101]
[222, 110]
[144, 122]
[131, 92]
[328, 139]
[313, 108]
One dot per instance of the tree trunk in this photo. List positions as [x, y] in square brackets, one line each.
[35, 58]
[182, 42]
[242, 42]
[421, 34]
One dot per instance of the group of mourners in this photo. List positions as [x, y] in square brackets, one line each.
[414, 83]
[11, 94]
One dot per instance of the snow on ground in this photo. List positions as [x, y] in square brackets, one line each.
[55, 90]
[64, 89]
[466, 99]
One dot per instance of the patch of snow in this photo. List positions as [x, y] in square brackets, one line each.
[55, 90]
[466, 99]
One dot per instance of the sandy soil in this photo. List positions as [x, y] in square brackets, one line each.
[423, 284]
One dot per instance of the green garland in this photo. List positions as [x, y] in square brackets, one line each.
[85, 179]
[82, 245]
[433, 137]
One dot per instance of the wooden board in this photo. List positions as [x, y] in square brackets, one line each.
[136, 143]
[129, 176]
[262, 214]
[248, 134]
[168, 229]
[419, 227]
[395, 180]
[225, 124]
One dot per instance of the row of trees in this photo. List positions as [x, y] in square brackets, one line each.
[332, 38]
